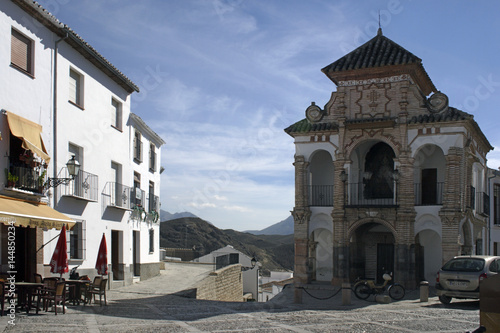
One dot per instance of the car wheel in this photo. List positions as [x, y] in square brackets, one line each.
[445, 299]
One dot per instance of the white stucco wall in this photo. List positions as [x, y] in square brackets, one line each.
[88, 128]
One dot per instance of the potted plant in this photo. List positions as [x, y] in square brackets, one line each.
[11, 180]
[41, 181]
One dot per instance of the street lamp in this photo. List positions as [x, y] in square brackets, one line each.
[73, 169]
[253, 262]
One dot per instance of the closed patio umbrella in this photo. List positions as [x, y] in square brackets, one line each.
[102, 258]
[59, 261]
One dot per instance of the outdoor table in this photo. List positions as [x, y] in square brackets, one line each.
[25, 293]
[76, 287]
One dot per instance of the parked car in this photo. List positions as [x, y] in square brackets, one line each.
[460, 277]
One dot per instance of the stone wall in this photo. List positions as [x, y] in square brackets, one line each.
[225, 284]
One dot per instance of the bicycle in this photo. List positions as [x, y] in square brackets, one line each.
[364, 288]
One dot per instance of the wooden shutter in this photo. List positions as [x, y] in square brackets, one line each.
[21, 51]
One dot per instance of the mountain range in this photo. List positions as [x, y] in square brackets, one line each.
[284, 227]
[273, 252]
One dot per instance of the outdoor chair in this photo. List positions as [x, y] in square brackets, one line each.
[98, 289]
[37, 278]
[58, 295]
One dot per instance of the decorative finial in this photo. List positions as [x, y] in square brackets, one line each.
[379, 32]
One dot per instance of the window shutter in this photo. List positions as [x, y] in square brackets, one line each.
[21, 51]
[73, 87]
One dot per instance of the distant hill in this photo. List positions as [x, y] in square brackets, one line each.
[284, 227]
[166, 216]
[274, 252]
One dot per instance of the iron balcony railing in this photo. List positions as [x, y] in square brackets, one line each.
[321, 195]
[374, 195]
[138, 197]
[117, 195]
[482, 203]
[28, 179]
[83, 186]
[153, 203]
[428, 194]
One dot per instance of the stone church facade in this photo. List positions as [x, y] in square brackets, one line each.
[388, 176]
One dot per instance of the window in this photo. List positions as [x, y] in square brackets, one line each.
[21, 53]
[116, 114]
[76, 241]
[137, 192]
[151, 240]
[137, 147]
[152, 199]
[152, 157]
[496, 204]
[76, 88]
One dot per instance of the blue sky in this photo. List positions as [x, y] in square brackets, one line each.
[221, 79]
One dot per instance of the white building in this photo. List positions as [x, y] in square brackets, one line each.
[494, 225]
[58, 88]
[228, 255]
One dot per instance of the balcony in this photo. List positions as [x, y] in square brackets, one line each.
[480, 202]
[154, 208]
[26, 179]
[371, 195]
[84, 186]
[321, 195]
[428, 194]
[117, 195]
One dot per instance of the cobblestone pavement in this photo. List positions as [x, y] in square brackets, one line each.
[145, 307]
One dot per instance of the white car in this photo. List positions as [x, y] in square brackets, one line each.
[460, 277]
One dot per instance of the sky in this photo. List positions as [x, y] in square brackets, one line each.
[221, 79]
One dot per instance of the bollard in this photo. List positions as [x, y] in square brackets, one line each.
[424, 291]
[346, 294]
[297, 294]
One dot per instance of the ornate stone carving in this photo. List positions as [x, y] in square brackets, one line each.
[397, 78]
[314, 113]
[437, 102]
[300, 215]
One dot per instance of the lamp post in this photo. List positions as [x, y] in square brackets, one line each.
[73, 169]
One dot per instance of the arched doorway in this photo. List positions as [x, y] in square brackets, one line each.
[372, 251]
[323, 255]
[428, 256]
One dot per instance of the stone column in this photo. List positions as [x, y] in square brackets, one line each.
[454, 199]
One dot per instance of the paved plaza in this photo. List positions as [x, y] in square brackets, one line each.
[150, 306]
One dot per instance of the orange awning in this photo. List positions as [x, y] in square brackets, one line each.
[29, 132]
[23, 213]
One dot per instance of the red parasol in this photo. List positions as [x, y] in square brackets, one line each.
[102, 258]
[59, 261]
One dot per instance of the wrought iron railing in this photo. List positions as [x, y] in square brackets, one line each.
[28, 179]
[382, 194]
[482, 203]
[428, 194]
[117, 195]
[83, 186]
[153, 203]
[321, 195]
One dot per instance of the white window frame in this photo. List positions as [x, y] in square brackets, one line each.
[80, 229]
[152, 157]
[22, 52]
[116, 114]
[75, 86]
[137, 147]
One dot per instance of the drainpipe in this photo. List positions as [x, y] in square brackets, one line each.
[54, 118]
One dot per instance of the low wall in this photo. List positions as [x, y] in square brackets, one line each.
[225, 284]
